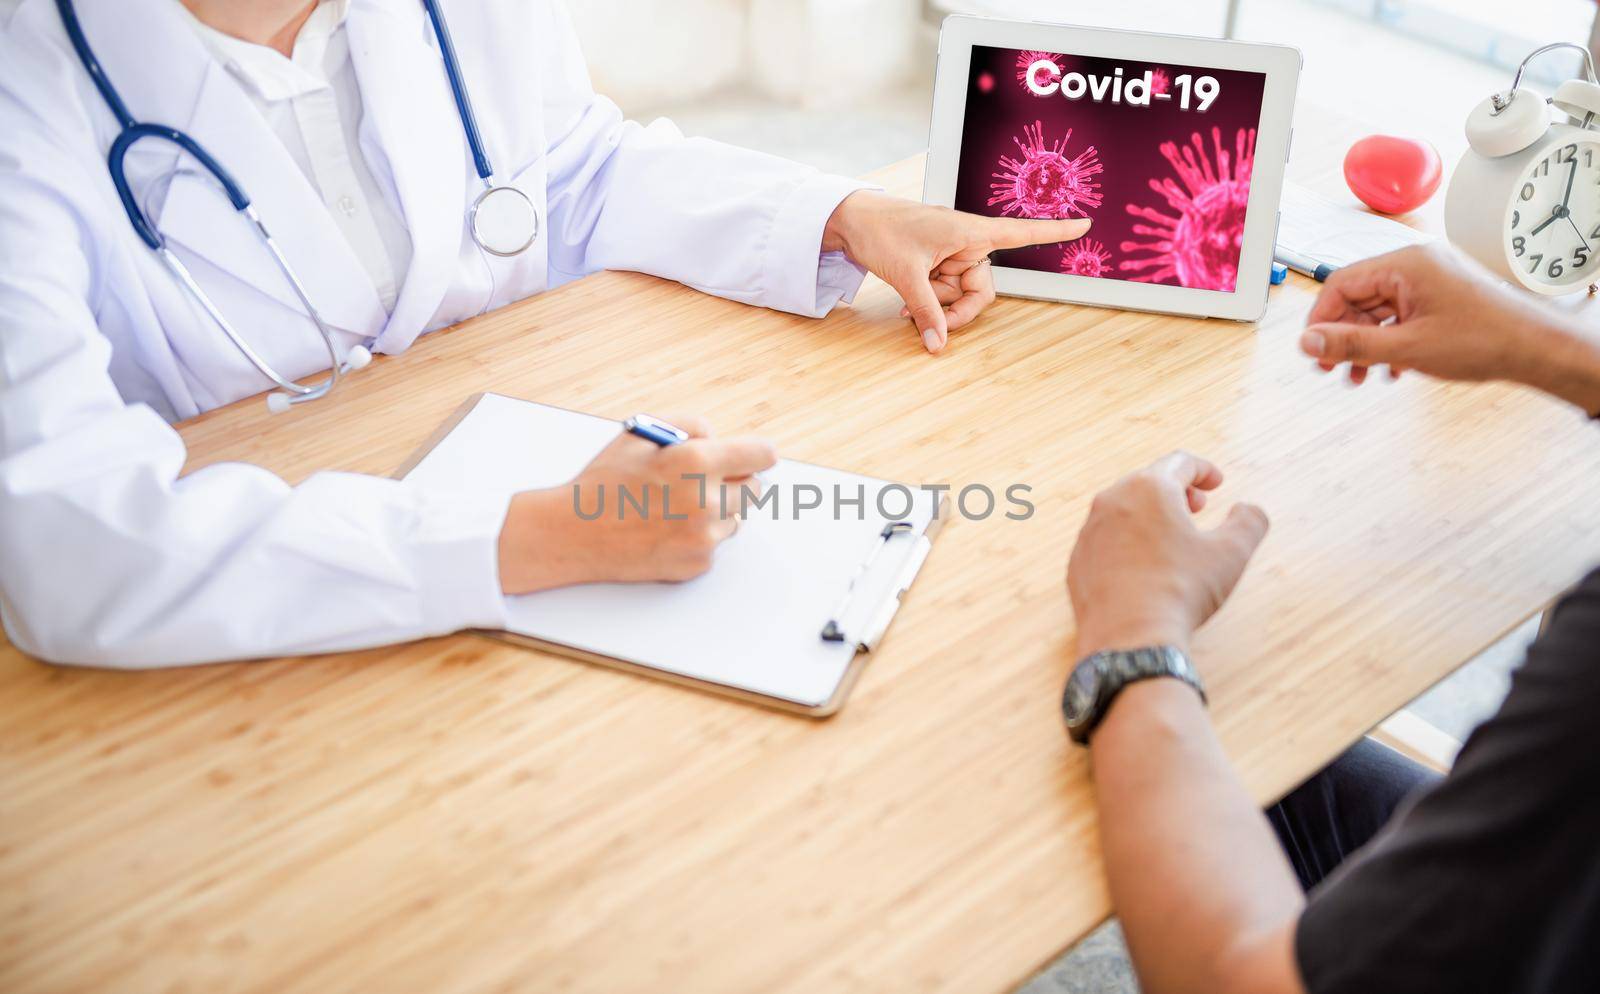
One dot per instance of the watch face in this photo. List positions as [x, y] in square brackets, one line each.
[1082, 689]
[1553, 231]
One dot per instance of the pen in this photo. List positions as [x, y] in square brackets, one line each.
[1318, 271]
[832, 632]
[654, 430]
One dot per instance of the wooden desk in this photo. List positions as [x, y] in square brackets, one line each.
[459, 815]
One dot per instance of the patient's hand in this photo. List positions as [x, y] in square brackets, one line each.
[935, 258]
[1426, 308]
[1141, 573]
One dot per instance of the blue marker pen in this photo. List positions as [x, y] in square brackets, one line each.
[654, 430]
[1318, 271]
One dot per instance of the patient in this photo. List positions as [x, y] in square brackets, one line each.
[1488, 880]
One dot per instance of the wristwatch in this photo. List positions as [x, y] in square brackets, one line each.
[1097, 680]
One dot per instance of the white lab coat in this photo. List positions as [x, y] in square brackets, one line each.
[106, 556]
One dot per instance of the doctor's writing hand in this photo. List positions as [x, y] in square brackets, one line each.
[1427, 309]
[1141, 573]
[636, 513]
[935, 258]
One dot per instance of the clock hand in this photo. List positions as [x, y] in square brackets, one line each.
[1561, 209]
[1579, 232]
[1547, 222]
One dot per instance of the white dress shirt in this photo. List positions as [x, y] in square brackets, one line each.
[312, 102]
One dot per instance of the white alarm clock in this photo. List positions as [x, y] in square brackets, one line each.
[1525, 198]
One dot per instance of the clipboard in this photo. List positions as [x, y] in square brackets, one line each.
[788, 613]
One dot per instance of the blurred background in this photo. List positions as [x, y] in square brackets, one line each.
[845, 84]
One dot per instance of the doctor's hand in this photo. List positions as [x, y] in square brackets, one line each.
[935, 258]
[1141, 573]
[638, 512]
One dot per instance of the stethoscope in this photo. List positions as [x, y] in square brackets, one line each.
[503, 220]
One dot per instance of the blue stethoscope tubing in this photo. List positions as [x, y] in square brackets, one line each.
[502, 219]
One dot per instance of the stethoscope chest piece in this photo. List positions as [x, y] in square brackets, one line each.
[504, 221]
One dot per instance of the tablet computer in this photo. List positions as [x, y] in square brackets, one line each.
[1173, 147]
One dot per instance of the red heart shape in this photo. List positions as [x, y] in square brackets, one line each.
[1392, 175]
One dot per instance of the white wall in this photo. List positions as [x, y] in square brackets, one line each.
[1190, 17]
[649, 54]
[828, 53]
[645, 53]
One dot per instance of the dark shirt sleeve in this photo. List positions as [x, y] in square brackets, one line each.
[1491, 880]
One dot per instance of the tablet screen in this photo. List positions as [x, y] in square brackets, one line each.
[1157, 155]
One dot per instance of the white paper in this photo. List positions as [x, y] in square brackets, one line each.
[1319, 229]
[754, 621]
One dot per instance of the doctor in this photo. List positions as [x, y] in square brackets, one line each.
[410, 164]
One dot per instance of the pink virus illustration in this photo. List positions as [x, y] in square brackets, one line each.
[1044, 183]
[1198, 245]
[985, 82]
[1086, 257]
[1044, 77]
[1160, 82]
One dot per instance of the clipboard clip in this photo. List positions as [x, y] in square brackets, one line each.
[834, 630]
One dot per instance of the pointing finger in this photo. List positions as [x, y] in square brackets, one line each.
[1010, 232]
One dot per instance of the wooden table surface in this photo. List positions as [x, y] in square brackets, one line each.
[462, 815]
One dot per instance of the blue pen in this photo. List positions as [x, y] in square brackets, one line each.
[655, 430]
[1318, 271]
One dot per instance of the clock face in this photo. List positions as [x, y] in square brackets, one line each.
[1553, 234]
